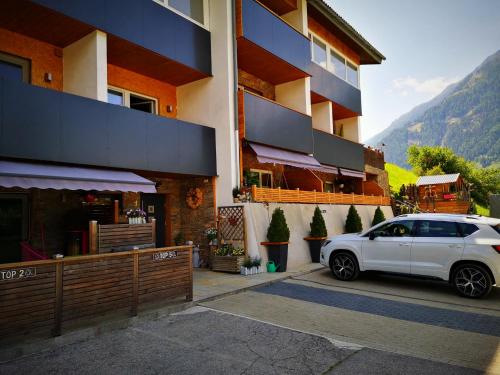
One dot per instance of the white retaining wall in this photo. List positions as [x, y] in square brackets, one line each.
[298, 217]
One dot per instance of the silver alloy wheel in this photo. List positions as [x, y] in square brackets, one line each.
[343, 267]
[471, 282]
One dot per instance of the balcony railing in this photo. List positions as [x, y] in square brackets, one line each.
[314, 197]
[334, 150]
[334, 88]
[43, 124]
[267, 30]
[270, 123]
[144, 23]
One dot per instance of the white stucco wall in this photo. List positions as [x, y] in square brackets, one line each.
[351, 128]
[85, 67]
[298, 217]
[295, 95]
[322, 116]
[298, 17]
[210, 101]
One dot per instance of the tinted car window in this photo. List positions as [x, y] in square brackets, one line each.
[467, 229]
[430, 228]
[395, 229]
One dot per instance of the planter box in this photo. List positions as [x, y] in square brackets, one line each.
[278, 253]
[315, 247]
[227, 263]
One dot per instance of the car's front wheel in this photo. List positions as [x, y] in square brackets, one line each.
[344, 266]
[472, 281]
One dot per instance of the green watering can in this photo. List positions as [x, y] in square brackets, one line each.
[271, 267]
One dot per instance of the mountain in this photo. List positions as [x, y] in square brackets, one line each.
[464, 117]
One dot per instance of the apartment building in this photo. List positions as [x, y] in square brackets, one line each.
[171, 106]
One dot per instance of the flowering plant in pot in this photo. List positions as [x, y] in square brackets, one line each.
[211, 234]
[317, 235]
[136, 216]
[278, 235]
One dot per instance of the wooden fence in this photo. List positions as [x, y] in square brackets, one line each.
[299, 196]
[47, 294]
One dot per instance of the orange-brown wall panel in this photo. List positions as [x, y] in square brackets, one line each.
[331, 39]
[131, 81]
[45, 57]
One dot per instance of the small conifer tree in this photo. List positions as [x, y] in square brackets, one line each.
[278, 229]
[353, 222]
[318, 227]
[378, 217]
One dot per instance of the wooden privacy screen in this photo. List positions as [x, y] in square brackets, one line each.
[119, 237]
[231, 225]
[44, 295]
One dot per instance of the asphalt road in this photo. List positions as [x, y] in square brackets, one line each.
[308, 325]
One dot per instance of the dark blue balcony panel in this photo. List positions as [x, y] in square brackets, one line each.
[53, 126]
[272, 124]
[268, 31]
[334, 88]
[333, 150]
[145, 23]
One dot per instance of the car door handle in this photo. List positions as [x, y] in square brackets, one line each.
[404, 244]
[455, 246]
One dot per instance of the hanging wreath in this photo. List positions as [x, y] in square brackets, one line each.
[194, 198]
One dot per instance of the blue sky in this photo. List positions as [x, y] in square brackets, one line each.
[428, 45]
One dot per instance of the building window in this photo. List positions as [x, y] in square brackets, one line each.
[328, 187]
[265, 177]
[335, 62]
[14, 67]
[319, 52]
[132, 100]
[195, 10]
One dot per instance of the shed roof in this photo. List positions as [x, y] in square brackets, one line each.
[439, 179]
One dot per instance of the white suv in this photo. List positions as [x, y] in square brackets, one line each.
[463, 249]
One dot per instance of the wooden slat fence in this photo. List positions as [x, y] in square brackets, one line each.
[115, 236]
[299, 196]
[45, 295]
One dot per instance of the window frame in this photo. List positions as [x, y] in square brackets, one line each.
[206, 9]
[23, 63]
[329, 48]
[126, 97]
[261, 172]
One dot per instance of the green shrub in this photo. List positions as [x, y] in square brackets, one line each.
[179, 239]
[318, 227]
[353, 222]
[278, 229]
[378, 217]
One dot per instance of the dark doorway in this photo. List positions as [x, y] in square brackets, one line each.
[13, 226]
[154, 206]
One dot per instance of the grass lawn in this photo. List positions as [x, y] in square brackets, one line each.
[399, 176]
[483, 211]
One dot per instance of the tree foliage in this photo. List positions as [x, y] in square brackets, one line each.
[378, 217]
[278, 229]
[353, 222]
[430, 160]
[318, 227]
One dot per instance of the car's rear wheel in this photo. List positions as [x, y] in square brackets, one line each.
[344, 266]
[472, 281]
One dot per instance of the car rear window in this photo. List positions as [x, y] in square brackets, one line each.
[496, 227]
[467, 229]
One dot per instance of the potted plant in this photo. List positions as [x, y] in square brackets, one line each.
[378, 217]
[353, 222]
[256, 264]
[211, 234]
[228, 258]
[317, 235]
[179, 239]
[246, 266]
[278, 235]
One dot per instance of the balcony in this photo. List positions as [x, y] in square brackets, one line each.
[334, 150]
[327, 85]
[268, 47]
[267, 122]
[53, 126]
[143, 36]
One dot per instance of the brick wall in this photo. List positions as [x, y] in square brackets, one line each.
[45, 57]
[131, 81]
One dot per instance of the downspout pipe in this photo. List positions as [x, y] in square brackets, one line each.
[235, 92]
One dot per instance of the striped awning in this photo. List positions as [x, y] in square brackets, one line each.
[45, 176]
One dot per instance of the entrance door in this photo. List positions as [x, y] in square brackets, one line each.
[13, 226]
[154, 205]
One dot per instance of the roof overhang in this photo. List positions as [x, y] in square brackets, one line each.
[368, 53]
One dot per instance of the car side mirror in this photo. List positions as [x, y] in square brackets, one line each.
[372, 236]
